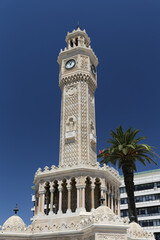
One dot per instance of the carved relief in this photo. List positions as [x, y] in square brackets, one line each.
[84, 126]
[71, 90]
[71, 124]
[70, 146]
[84, 62]
[106, 236]
[92, 128]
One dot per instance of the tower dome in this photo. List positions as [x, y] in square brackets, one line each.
[14, 224]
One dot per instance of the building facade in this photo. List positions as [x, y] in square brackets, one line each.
[147, 198]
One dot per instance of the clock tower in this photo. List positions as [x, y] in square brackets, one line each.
[78, 82]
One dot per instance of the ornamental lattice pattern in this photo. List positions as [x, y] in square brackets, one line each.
[84, 127]
[110, 237]
[91, 107]
[71, 109]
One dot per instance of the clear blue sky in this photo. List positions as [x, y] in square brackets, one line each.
[125, 36]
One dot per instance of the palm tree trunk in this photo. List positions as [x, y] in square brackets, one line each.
[129, 183]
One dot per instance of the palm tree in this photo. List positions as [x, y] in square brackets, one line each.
[125, 150]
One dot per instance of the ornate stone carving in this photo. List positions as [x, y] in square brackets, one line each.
[71, 90]
[84, 62]
[41, 188]
[71, 124]
[106, 236]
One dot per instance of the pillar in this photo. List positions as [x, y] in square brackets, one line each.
[83, 197]
[92, 197]
[60, 197]
[51, 201]
[36, 205]
[69, 197]
[112, 194]
[78, 198]
[118, 207]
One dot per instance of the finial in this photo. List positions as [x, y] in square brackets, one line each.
[78, 25]
[16, 209]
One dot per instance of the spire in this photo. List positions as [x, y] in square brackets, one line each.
[78, 25]
[16, 209]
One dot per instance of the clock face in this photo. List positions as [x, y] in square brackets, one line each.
[93, 69]
[70, 64]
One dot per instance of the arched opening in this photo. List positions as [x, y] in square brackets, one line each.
[47, 198]
[76, 41]
[97, 193]
[73, 195]
[64, 196]
[56, 198]
[71, 43]
[106, 199]
[88, 194]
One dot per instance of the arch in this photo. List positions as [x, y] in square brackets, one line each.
[56, 197]
[97, 193]
[76, 41]
[71, 43]
[88, 194]
[73, 195]
[64, 196]
[47, 198]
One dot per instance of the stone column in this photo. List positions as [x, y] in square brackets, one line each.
[83, 198]
[78, 198]
[104, 192]
[118, 207]
[51, 201]
[60, 197]
[43, 202]
[92, 193]
[115, 205]
[41, 199]
[92, 197]
[112, 194]
[36, 207]
[109, 196]
[69, 196]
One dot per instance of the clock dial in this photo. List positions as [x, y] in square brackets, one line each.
[70, 64]
[93, 69]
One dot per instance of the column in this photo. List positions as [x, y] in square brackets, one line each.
[51, 201]
[109, 196]
[69, 196]
[41, 202]
[92, 197]
[60, 197]
[78, 198]
[83, 198]
[104, 192]
[41, 198]
[35, 204]
[115, 205]
[119, 213]
[112, 199]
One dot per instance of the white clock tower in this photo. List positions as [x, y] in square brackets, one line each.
[78, 82]
[79, 199]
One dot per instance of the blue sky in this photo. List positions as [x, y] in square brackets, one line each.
[125, 36]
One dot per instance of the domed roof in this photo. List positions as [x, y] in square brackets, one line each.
[137, 232]
[102, 210]
[106, 215]
[13, 224]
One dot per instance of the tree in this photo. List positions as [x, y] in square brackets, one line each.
[125, 150]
